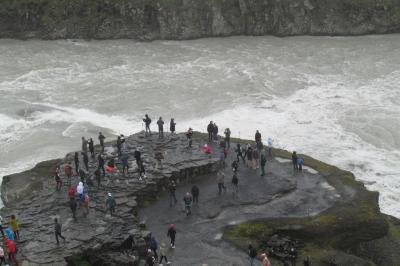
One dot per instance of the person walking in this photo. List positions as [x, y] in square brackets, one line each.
[160, 124]
[15, 226]
[85, 160]
[163, 254]
[154, 247]
[172, 234]
[195, 194]
[147, 122]
[221, 180]
[294, 161]
[91, 147]
[68, 173]
[12, 251]
[263, 163]
[110, 204]
[73, 205]
[57, 231]
[227, 133]
[188, 200]
[172, 196]
[2, 258]
[239, 153]
[252, 252]
[172, 125]
[101, 140]
[76, 162]
[84, 145]
[101, 164]
[210, 130]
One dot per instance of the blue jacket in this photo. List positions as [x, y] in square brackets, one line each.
[10, 234]
[153, 244]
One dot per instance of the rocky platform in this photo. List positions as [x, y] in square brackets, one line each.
[334, 214]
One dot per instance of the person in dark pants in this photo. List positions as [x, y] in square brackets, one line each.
[160, 124]
[85, 160]
[58, 181]
[227, 133]
[189, 135]
[110, 203]
[263, 163]
[57, 230]
[172, 125]
[76, 162]
[91, 147]
[195, 194]
[252, 252]
[101, 164]
[215, 132]
[101, 140]
[172, 234]
[293, 256]
[210, 130]
[154, 247]
[294, 161]
[97, 175]
[172, 196]
[147, 122]
[82, 175]
[73, 205]
[137, 156]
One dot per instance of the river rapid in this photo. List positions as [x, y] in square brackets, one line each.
[334, 98]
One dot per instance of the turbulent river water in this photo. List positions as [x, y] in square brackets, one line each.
[336, 99]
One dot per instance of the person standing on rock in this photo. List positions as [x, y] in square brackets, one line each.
[221, 181]
[57, 178]
[101, 140]
[257, 137]
[82, 175]
[172, 234]
[172, 196]
[188, 200]
[160, 124]
[85, 160]
[270, 143]
[85, 204]
[110, 203]
[101, 163]
[15, 226]
[189, 135]
[154, 247]
[119, 145]
[263, 163]
[57, 230]
[215, 132]
[76, 162]
[91, 147]
[210, 130]
[195, 194]
[252, 252]
[235, 184]
[227, 133]
[142, 170]
[222, 158]
[12, 251]
[137, 156]
[84, 145]
[249, 156]
[125, 162]
[256, 159]
[73, 205]
[172, 125]
[68, 173]
[10, 234]
[294, 161]
[300, 163]
[147, 122]
[159, 157]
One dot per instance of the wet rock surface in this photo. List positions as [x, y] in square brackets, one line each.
[98, 232]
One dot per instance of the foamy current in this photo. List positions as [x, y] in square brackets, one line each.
[336, 99]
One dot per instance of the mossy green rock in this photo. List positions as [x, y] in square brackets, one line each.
[187, 19]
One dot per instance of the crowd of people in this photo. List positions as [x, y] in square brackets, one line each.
[10, 234]
[86, 166]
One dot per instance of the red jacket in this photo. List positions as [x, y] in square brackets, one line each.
[68, 169]
[207, 149]
[11, 246]
[72, 192]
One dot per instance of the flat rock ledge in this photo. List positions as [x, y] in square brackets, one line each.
[114, 240]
